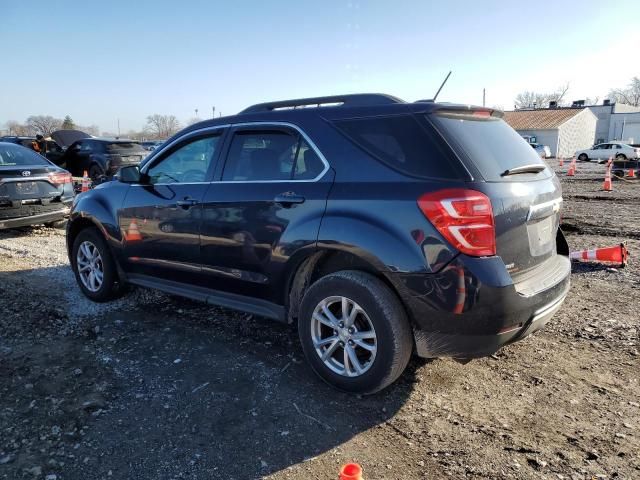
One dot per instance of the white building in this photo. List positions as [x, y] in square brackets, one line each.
[625, 127]
[564, 130]
[611, 119]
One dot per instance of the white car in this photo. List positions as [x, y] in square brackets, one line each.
[543, 150]
[604, 151]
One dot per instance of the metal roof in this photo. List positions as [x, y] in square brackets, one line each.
[546, 119]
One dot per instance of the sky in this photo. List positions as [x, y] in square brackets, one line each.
[101, 62]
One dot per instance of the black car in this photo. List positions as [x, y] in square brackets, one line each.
[381, 227]
[54, 151]
[101, 157]
[32, 189]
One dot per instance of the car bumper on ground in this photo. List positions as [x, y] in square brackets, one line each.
[468, 311]
[47, 217]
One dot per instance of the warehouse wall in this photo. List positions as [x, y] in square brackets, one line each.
[577, 133]
[631, 123]
[544, 137]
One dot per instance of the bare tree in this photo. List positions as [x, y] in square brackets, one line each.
[629, 95]
[161, 126]
[44, 124]
[530, 99]
[19, 129]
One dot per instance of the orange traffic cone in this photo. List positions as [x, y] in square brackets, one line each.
[85, 182]
[632, 173]
[561, 162]
[133, 234]
[617, 254]
[351, 471]
[608, 186]
[572, 168]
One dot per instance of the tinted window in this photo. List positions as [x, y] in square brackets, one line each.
[270, 155]
[488, 142]
[190, 162]
[124, 147]
[403, 144]
[15, 155]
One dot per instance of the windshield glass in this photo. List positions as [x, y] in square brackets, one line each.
[488, 142]
[15, 155]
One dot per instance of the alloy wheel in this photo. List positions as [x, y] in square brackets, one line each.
[90, 266]
[343, 336]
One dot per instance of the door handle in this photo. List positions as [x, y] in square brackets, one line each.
[289, 198]
[187, 203]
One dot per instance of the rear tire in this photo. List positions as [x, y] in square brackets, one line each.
[90, 253]
[371, 348]
[583, 157]
[621, 157]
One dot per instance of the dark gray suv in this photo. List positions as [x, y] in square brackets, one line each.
[382, 228]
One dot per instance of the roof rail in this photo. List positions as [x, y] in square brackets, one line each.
[353, 100]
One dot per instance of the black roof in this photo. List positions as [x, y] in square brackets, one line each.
[330, 107]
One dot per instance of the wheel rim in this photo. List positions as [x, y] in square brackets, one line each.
[343, 336]
[90, 266]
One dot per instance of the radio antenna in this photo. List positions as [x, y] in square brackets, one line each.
[445, 81]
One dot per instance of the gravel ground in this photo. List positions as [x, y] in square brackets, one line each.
[154, 387]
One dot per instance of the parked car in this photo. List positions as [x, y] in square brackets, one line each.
[604, 151]
[151, 145]
[382, 228]
[32, 189]
[101, 157]
[54, 151]
[543, 150]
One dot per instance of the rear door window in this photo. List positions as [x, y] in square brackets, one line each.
[268, 155]
[12, 155]
[488, 142]
[404, 144]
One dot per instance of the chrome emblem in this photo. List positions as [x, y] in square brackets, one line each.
[26, 173]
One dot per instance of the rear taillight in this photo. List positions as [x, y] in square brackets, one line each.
[464, 217]
[60, 178]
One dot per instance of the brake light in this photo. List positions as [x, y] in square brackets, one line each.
[463, 217]
[60, 178]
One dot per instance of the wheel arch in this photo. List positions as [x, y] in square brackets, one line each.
[324, 262]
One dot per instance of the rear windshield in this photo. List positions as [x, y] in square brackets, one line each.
[130, 147]
[488, 142]
[12, 155]
[404, 144]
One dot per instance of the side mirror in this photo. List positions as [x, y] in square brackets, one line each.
[130, 174]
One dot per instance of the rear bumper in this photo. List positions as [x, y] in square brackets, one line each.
[472, 308]
[35, 219]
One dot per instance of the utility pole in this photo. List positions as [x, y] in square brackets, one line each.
[484, 97]
[196, 113]
[118, 128]
[213, 112]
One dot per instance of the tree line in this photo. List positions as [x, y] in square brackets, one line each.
[629, 95]
[157, 127]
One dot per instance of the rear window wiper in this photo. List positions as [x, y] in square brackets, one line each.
[533, 168]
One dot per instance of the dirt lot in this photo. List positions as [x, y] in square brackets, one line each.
[153, 387]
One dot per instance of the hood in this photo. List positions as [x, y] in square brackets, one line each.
[64, 138]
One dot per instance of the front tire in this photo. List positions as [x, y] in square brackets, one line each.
[354, 332]
[94, 267]
[621, 157]
[583, 157]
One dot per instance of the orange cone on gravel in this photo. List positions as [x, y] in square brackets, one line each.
[133, 234]
[617, 254]
[351, 471]
[561, 162]
[572, 168]
[632, 173]
[85, 182]
[607, 186]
